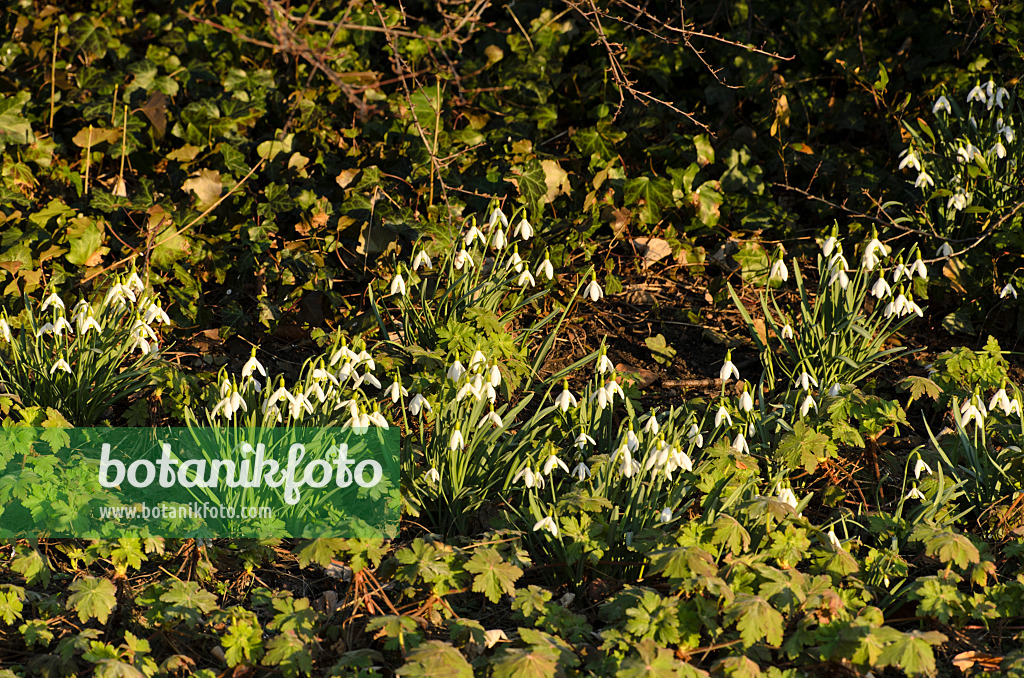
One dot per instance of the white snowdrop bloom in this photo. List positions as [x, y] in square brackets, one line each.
[565, 399]
[1014, 407]
[491, 418]
[546, 270]
[945, 250]
[526, 279]
[472, 234]
[834, 540]
[612, 388]
[417, 404]
[421, 259]
[942, 104]
[297, 404]
[915, 494]
[924, 179]
[805, 381]
[957, 201]
[779, 271]
[478, 359]
[977, 94]
[582, 439]
[5, 331]
[253, 365]
[1008, 290]
[489, 392]
[788, 496]
[367, 379]
[593, 290]
[498, 242]
[881, 289]
[365, 357]
[61, 364]
[728, 369]
[523, 230]
[462, 258]
[969, 412]
[696, 436]
[998, 150]
[999, 97]
[629, 467]
[921, 466]
[965, 154]
[909, 156]
[396, 391]
[601, 396]
[55, 301]
[61, 326]
[682, 459]
[1008, 134]
[433, 476]
[632, 442]
[807, 404]
[912, 307]
[722, 415]
[919, 268]
[546, 524]
[515, 262]
[155, 312]
[869, 260]
[1000, 400]
[314, 388]
[494, 376]
[833, 391]
[470, 388]
[604, 364]
[552, 462]
[839, 275]
[651, 426]
[739, 444]
[838, 261]
[828, 245]
[398, 285]
[751, 429]
[746, 402]
[530, 479]
[581, 471]
[230, 404]
[456, 442]
[456, 371]
[497, 217]
[665, 515]
[787, 331]
[134, 283]
[900, 271]
[119, 295]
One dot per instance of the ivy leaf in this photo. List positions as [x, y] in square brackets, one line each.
[652, 194]
[436, 658]
[14, 128]
[803, 447]
[531, 181]
[708, 201]
[92, 597]
[493, 575]
[755, 619]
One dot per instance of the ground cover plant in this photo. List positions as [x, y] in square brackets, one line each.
[700, 326]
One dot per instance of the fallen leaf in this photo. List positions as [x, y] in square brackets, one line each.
[156, 110]
[639, 376]
[206, 185]
[555, 178]
[966, 660]
[652, 249]
[346, 176]
[98, 135]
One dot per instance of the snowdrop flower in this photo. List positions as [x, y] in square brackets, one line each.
[834, 391]
[472, 387]
[629, 466]
[5, 330]
[433, 476]
[739, 443]
[368, 379]
[828, 245]
[651, 426]
[746, 402]
[787, 331]
[546, 524]
[155, 312]
[839, 275]
[924, 179]
[722, 414]
[695, 435]
[552, 462]
[919, 268]
[834, 540]
[997, 99]
[491, 418]
[61, 364]
[788, 496]
[909, 159]
[298, 403]
[526, 279]
[565, 400]
[945, 250]
[942, 104]
[1000, 400]
[593, 290]
[463, 259]
[1007, 291]
[665, 515]
[581, 471]
[582, 439]
[418, 403]
[546, 270]
[421, 259]
[54, 300]
[871, 253]
[530, 479]
[497, 217]
[914, 494]
[472, 234]
[779, 271]
[881, 289]
[805, 381]
[524, 230]
[135, 283]
[396, 391]
[604, 364]
[456, 443]
[398, 285]
[478, 358]
[921, 466]
[998, 150]
[494, 376]
[253, 365]
[61, 326]
[632, 442]
[912, 307]
[119, 295]
[515, 262]
[612, 388]
[230, 404]
[807, 404]
[971, 411]
[966, 153]
[456, 371]
[498, 242]
[976, 94]
[728, 369]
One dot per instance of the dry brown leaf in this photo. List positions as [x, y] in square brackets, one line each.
[206, 185]
[639, 376]
[966, 660]
[652, 249]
